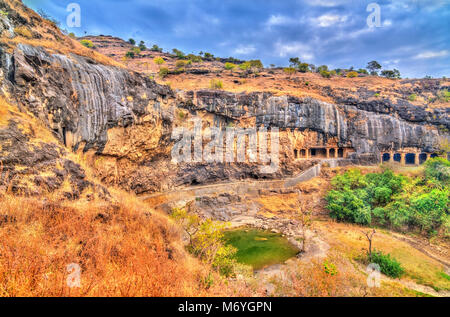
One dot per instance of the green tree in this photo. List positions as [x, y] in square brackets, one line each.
[373, 67]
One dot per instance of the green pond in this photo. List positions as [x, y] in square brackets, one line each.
[259, 248]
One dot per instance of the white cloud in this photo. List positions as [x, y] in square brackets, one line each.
[326, 3]
[387, 23]
[279, 19]
[431, 54]
[327, 20]
[244, 50]
[294, 49]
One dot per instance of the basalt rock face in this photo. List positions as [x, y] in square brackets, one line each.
[368, 132]
[125, 120]
[78, 98]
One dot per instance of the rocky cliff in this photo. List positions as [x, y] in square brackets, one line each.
[123, 120]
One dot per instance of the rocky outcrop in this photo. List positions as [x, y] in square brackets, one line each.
[125, 120]
[368, 132]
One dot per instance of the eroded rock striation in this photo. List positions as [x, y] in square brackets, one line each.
[125, 120]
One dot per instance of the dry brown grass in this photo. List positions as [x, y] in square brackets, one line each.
[124, 249]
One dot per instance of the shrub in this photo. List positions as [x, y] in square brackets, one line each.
[391, 73]
[412, 97]
[3, 13]
[352, 74]
[179, 54]
[194, 58]
[132, 41]
[163, 72]
[329, 268]
[87, 43]
[136, 50]
[438, 169]
[159, 60]
[289, 70]
[325, 73]
[206, 241]
[130, 54]
[444, 95]
[156, 48]
[230, 66]
[142, 46]
[23, 31]
[216, 84]
[392, 200]
[181, 63]
[388, 266]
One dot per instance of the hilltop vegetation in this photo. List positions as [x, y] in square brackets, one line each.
[394, 201]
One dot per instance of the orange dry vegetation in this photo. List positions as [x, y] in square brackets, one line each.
[122, 249]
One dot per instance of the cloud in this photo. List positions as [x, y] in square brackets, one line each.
[244, 50]
[431, 54]
[327, 20]
[294, 49]
[281, 20]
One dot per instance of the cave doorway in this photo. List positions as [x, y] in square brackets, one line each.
[302, 153]
[397, 157]
[410, 159]
[422, 158]
[341, 153]
[434, 155]
[332, 153]
[296, 154]
[386, 157]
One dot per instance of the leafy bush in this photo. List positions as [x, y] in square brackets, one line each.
[206, 241]
[156, 48]
[412, 97]
[444, 95]
[392, 200]
[388, 266]
[179, 54]
[395, 73]
[438, 169]
[352, 74]
[25, 32]
[325, 74]
[194, 58]
[159, 60]
[130, 54]
[181, 63]
[142, 46]
[289, 70]
[87, 43]
[163, 72]
[132, 41]
[329, 268]
[216, 84]
[230, 66]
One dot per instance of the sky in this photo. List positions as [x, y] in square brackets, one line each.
[412, 35]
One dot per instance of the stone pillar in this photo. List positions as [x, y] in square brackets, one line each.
[328, 153]
[402, 158]
[336, 152]
[307, 154]
[391, 157]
